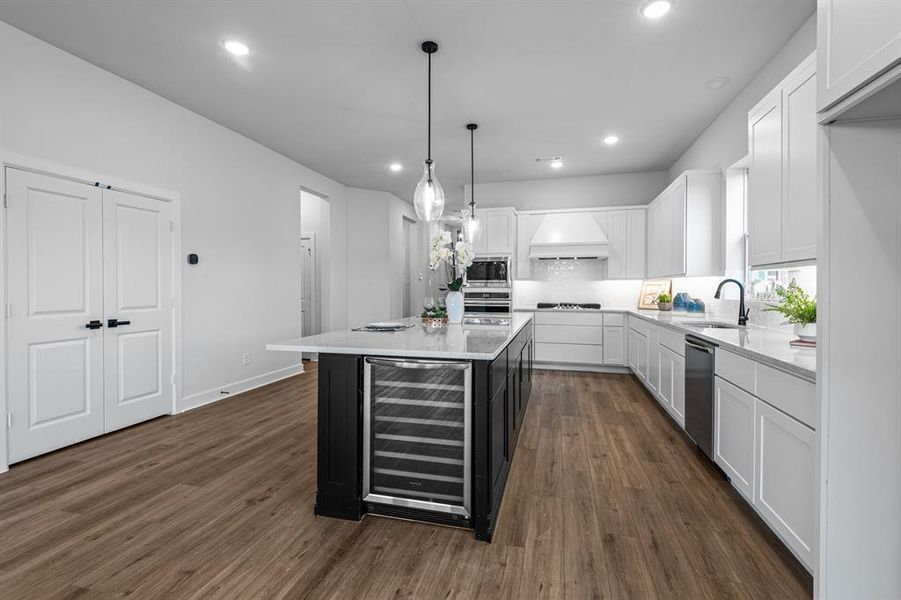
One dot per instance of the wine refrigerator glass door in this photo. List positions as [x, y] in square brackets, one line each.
[416, 434]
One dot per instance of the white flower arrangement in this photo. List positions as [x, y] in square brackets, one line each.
[456, 258]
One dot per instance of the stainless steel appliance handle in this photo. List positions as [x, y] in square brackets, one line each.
[415, 364]
[706, 349]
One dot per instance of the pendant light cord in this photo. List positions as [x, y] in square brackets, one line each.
[429, 142]
[472, 173]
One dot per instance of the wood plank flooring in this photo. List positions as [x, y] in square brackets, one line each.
[606, 499]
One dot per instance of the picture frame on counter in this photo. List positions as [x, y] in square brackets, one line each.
[651, 289]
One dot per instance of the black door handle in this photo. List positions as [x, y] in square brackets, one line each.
[116, 323]
[93, 325]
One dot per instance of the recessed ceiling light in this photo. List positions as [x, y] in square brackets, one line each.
[235, 47]
[611, 139]
[654, 9]
[395, 167]
[715, 83]
[557, 162]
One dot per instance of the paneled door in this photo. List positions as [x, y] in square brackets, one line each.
[90, 334]
[137, 279]
[55, 312]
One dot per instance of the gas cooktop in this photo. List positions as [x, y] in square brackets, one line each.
[569, 305]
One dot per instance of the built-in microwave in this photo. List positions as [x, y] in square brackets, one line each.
[488, 271]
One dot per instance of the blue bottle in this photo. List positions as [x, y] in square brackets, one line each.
[680, 302]
[696, 305]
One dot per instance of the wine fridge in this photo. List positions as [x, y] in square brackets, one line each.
[417, 434]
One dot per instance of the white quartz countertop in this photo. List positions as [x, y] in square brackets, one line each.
[463, 342]
[766, 345]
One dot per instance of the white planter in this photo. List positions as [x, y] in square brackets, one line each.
[806, 332]
[454, 303]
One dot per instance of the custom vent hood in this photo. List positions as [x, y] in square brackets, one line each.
[569, 235]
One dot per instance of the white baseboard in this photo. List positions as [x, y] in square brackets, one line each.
[583, 368]
[233, 389]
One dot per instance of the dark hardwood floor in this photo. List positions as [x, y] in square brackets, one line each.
[606, 499]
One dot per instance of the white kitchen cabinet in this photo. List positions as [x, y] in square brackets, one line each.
[671, 386]
[625, 230]
[785, 479]
[765, 181]
[569, 338]
[782, 200]
[653, 376]
[733, 435]
[497, 231]
[636, 244]
[526, 225]
[614, 346]
[858, 40]
[685, 227]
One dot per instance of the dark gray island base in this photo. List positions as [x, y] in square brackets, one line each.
[474, 462]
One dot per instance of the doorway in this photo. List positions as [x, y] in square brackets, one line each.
[309, 289]
[407, 287]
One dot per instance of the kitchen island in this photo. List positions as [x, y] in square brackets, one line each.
[420, 423]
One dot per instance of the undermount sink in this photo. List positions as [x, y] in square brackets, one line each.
[711, 325]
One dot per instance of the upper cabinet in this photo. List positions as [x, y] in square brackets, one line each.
[625, 230]
[782, 207]
[685, 227]
[857, 40]
[497, 233]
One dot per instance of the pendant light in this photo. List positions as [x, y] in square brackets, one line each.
[428, 199]
[470, 222]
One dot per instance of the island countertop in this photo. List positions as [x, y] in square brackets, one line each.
[461, 342]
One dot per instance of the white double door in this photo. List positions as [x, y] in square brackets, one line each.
[90, 333]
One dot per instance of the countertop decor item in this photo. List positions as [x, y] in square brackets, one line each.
[680, 302]
[696, 305]
[651, 289]
[456, 257]
[434, 316]
[428, 198]
[664, 302]
[799, 309]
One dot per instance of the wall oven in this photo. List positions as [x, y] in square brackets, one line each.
[489, 271]
[487, 301]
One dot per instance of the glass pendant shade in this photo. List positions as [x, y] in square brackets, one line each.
[470, 226]
[428, 199]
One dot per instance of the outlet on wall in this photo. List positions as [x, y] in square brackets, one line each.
[246, 359]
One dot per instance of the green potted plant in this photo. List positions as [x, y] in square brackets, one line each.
[664, 302]
[799, 309]
[434, 316]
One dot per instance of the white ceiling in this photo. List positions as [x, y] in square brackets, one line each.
[340, 85]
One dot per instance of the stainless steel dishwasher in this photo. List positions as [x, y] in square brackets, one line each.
[416, 434]
[699, 373]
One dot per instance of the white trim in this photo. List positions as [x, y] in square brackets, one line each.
[238, 387]
[548, 211]
[4, 429]
[584, 368]
[51, 169]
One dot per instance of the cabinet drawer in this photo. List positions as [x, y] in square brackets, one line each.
[737, 369]
[614, 319]
[569, 334]
[568, 318]
[791, 395]
[569, 353]
[673, 340]
[638, 326]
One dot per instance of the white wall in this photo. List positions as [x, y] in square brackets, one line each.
[239, 207]
[375, 241]
[726, 139]
[572, 192]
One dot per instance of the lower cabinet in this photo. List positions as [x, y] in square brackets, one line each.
[614, 346]
[671, 384]
[784, 480]
[733, 435]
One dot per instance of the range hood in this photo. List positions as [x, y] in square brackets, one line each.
[569, 235]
